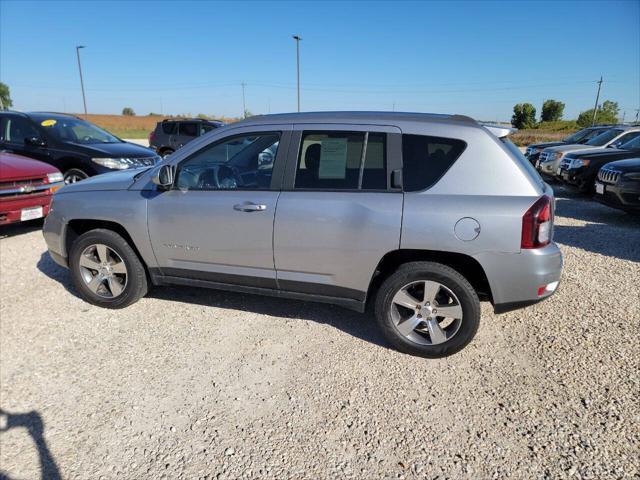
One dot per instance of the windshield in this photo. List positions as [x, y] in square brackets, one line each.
[576, 137]
[631, 144]
[604, 137]
[74, 130]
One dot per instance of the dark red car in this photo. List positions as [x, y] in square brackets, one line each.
[26, 187]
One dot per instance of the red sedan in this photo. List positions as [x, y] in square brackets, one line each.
[26, 187]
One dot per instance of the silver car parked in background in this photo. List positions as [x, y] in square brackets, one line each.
[419, 216]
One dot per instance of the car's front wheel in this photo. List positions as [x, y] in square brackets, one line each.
[74, 175]
[105, 270]
[427, 309]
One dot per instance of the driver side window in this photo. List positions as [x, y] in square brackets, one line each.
[243, 162]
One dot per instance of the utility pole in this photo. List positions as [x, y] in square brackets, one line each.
[84, 99]
[595, 108]
[297, 38]
[637, 113]
[244, 106]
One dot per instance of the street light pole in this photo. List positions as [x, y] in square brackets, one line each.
[84, 99]
[297, 38]
[244, 105]
[595, 108]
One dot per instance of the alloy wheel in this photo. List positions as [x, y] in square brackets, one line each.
[426, 312]
[103, 271]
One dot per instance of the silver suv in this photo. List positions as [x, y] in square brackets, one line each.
[418, 216]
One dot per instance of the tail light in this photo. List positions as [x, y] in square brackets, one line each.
[536, 224]
[152, 136]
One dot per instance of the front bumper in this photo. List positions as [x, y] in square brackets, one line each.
[624, 195]
[516, 278]
[573, 176]
[11, 209]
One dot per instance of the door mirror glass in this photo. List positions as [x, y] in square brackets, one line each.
[35, 141]
[164, 176]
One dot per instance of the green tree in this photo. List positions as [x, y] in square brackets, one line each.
[128, 111]
[607, 114]
[524, 116]
[5, 97]
[552, 111]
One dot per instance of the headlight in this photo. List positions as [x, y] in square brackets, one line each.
[558, 155]
[55, 177]
[579, 162]
[116, 163]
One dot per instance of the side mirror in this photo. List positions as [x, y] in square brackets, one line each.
[163, 177]
[35, 141]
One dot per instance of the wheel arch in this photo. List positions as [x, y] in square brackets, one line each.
[466, 265]
[77, 227]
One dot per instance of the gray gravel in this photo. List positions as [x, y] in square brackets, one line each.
[192, 383]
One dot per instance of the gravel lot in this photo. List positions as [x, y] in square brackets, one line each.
[192, 383]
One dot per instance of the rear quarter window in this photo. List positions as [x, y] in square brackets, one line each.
[426, 159]
[169, 128]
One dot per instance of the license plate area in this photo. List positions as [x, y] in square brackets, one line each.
[600, 188]
[30, 213]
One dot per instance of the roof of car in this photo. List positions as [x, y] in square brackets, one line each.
[166, 120]
[359, 117]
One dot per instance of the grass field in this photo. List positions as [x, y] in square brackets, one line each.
[140, 127]
[132, 126]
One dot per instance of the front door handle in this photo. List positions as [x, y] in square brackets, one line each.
[249, 207]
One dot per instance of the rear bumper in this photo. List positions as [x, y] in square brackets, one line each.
[516, 278]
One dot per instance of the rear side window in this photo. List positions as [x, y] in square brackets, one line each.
[342, 161]
[169, 128]
[189, 129]
[426, 159]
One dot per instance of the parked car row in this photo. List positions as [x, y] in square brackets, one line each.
[74, 146]
[606, 165]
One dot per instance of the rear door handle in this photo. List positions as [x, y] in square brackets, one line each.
[249, 207]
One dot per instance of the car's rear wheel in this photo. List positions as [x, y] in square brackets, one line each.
[427, 309]
[74, 175]
[105, 270]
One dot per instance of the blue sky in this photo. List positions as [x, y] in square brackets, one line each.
[474, 58]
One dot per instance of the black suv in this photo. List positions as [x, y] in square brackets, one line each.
[77, 148]
[170, 135]
[618, 185]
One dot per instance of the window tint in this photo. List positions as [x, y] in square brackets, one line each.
[169, 128]
[237, 163]
[330, 160]
[189, 129]
[17, 129]
[334, 161]
[426, 159]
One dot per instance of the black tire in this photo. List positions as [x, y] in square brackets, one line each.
[74, 175]
[166, 152]
[446, 276]
[136, 284]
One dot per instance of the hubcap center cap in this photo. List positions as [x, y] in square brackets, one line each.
[426, 311]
